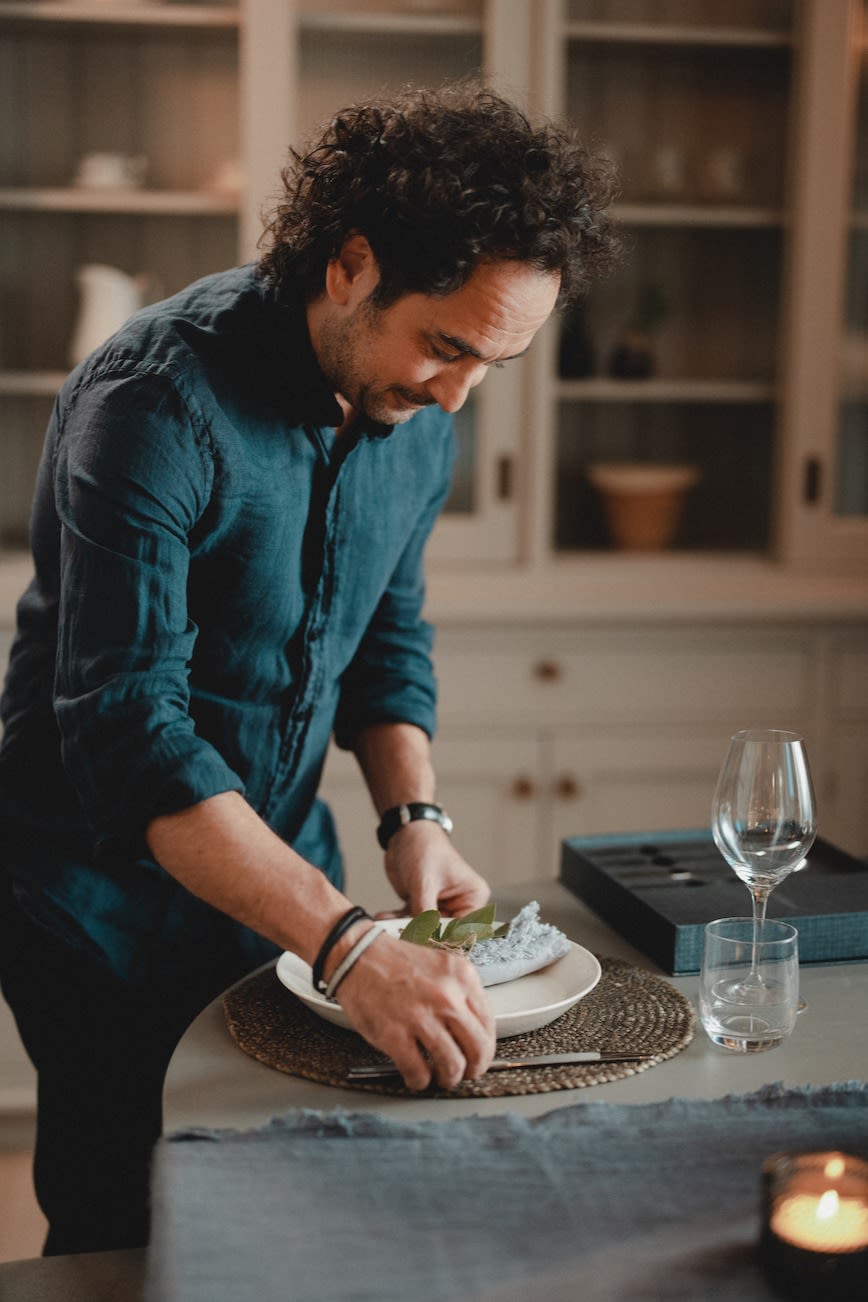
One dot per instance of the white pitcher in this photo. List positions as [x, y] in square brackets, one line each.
[108, 297]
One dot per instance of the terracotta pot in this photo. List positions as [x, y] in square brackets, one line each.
[643, 501]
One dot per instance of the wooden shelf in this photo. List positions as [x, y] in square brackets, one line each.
[391, 24]
[31, 384]
[660, 390]
[135, 15]
[688, 214]
[676, 34]
[172, 203]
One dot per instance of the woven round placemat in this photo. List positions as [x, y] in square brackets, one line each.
[628, 1009]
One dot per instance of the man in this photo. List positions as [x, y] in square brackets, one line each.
[228, 530]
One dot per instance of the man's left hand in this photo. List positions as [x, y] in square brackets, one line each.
[427, 872]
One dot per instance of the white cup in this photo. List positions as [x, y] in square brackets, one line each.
[111, 171]
[669, 172]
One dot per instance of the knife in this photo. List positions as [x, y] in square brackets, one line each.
[379, 1069]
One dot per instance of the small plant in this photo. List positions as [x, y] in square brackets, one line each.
[651, 311]
[633, 356]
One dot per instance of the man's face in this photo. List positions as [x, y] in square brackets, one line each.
[389, 362]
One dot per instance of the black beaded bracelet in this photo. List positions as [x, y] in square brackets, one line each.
[343, 924]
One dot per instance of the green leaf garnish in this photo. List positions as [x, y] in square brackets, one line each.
[422, 928]
[486, 914]
[459, 932]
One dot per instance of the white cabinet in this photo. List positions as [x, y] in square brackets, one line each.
[153, 82]
[342, 51]
[846, 822]
[17, 1077]
[738, 128]
[655, 779]
[490, 785]
[212, 95]
[847, 789]
[569, 730]
[824, 471]
[692, 102]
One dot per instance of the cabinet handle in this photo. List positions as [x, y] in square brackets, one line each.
[504, 479]
[567, 787]
[523, 788]
[547, 671]
[813, 482]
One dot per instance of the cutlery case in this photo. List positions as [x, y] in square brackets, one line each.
[659, 889]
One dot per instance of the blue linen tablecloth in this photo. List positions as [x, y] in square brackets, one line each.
[595, 1201]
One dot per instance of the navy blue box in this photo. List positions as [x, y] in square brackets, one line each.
[659, 889]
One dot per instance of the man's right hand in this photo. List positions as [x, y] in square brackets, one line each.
[411, 1002]
[426, 1008]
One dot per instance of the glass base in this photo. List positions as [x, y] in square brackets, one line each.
[743, 1035]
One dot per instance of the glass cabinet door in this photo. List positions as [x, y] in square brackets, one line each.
[150, 95]
[345, 51]
[663, 384]
[851, 478]
[823, 516]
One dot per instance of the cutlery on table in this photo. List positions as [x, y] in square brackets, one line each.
[376, 1070]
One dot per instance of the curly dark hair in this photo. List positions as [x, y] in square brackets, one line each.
[438, 181]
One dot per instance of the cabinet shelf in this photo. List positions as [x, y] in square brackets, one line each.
[31, 384]
[707, 215]
[73, 199]
[391, 24]
[722, 391]
[142, 15]
[675, 34]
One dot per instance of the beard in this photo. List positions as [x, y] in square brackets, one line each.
[341, 354]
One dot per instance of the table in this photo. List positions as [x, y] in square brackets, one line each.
[210, 1082]
[567, 1187]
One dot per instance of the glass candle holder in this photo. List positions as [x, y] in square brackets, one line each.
[814, 1240]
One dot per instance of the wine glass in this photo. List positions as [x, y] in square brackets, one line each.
[763, 815]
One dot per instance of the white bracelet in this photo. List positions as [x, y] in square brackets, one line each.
[349, 959]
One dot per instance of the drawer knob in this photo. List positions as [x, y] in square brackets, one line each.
[567, 787]
[547, 671]
[523, 788]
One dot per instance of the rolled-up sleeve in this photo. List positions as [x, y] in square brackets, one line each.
[132, 477]
[391, 677]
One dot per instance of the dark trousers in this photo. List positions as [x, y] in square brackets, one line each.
[101, 1049]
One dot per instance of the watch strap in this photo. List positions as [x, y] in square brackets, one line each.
[401, 815]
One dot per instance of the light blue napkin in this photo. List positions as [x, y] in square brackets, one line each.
[528, 946]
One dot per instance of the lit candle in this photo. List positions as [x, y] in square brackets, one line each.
[827, 1223]
[815, 1224]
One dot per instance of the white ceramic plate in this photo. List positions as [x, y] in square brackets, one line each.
[519, 1006]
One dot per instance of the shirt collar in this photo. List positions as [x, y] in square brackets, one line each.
[297, 371]
[299, 382]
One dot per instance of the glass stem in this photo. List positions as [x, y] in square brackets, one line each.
[759, 895]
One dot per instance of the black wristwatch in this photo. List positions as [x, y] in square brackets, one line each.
[400, 815]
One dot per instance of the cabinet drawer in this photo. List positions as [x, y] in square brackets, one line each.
[610, 784]
[850, 691]
[634, 678]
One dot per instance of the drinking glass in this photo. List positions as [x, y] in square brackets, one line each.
[763, 815]
[736, 1011]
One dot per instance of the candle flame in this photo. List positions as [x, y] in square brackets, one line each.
[834, 1168]
[827, 1207]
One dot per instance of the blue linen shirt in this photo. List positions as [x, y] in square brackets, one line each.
[220, 585]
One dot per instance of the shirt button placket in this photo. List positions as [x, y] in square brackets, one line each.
[313, 664]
